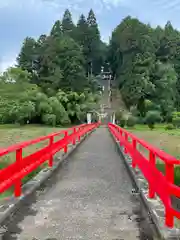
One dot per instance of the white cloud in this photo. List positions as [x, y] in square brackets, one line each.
[109, 14]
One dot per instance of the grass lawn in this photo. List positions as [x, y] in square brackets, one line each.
[11, 134]
[167, 140]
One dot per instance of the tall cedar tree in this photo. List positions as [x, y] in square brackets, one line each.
[68, 26]
[94, 44]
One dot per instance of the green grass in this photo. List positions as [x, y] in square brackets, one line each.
[167, 140]
[12, 134]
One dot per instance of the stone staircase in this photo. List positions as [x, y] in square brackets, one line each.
[111, 103]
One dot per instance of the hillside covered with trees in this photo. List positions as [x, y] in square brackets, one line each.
[56, 78]
[54, 81]
[146, 64]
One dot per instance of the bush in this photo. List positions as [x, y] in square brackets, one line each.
[151, 118]
[134, 111]
[175, 114]
[119, 115]
[131, 121]
[169, 127]
[120, 118]
[122, 123]
[151, 106]
[140, 120]
[176, 121]
[49, 119]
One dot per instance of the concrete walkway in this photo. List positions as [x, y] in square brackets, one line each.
[88, 198]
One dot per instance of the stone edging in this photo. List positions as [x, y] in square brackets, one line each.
[154, 206]
[8, 207]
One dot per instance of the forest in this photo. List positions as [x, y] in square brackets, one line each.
[55, 81]
[145, 62]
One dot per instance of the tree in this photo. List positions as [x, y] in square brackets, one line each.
[68, 26]
[94, 45]
[152, 117]
[27, 55]
[71, 61]
[56, 30]
[82, 38]
[16, 74]
[165, 79]
[144, 61]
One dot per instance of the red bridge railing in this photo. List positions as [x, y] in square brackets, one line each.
[162, 185]
[13, 174]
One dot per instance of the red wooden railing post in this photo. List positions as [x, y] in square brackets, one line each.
[79, 138]
[126, 138]
[169, 171]
[134, 147]
[120, 133]
[169, 218]
[51, 140]
[66, 146]
[17, 187]
[152, 160]
[74, 139]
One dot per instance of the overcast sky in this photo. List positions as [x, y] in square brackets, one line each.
[21, 18]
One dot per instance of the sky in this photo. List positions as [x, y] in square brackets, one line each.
[22, 18]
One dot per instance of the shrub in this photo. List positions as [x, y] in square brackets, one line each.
[119, 115]
[49, 119]
[170, 126]
[140, 120]
[120, 118]
[151, 106]
[175, 114]
[176, 121]
[122, 123]
[134, 111]
[131, 121]
[151, 118]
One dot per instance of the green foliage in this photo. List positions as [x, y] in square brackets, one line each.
[49, 119]
[22, 112]
[49, 84]
[176, 122]
[122, 123]
[120, 118]
[146, 62]
[119, 115]
[176, 119]
[151, 118]
[23, 102]
[170, 126]
[65, 58]
[68, 26]
[131, 121]
[175, 114]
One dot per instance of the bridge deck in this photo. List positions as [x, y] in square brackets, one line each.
[88, 198]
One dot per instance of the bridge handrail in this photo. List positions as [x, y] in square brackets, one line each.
[159, 153]
[165, 187]
[14, 147]
[13, 174]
